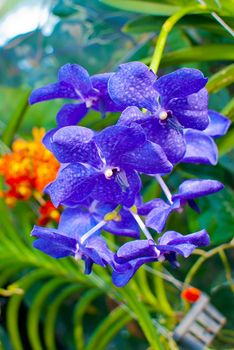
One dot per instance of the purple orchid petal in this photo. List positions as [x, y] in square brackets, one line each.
[183, 249]
[200, 148]
[157, 218]
[218, 125]
[105, 103]
[116, 140]
[148, 159]
[125, 225]
[97, 249]
[88, 265]
[170, 139]
[53, 91]
[132, 85]
[71, 114]
[54, 250]
[179, 84]
[184, 245]
[78, 77]
[74, 182]
[75, 222]
[47, 139]
[122, 277]
[110, 190]
[133, 115]
[199, 238]
[145, 208]
[73, 144]
[191, 189]
[135, 249]
[51, 242]
[191, 111]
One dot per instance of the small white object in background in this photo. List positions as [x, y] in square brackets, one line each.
[200, 326]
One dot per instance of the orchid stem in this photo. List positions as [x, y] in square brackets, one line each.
[141, 225]
[202, 259]
[164, 187]
[144, 229]
[108, 217]
[166, 29]
[219, 20]
[92, 231]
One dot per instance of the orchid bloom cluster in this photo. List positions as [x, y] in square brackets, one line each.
[26, 170]
[163, 121]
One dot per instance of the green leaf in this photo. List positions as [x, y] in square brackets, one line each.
[153, 8]
[52, 314]
[221, 79]
[16, 119]
[108, 328]
[223, 8]
[228, 110]
[36, 307]
[225, 145]
[143, 317]
[212, 52]
[79, 312]
[217, 216]
[14, 304]
[148, 24]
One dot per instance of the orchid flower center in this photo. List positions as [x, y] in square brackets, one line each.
[90, 101]
[109, 172]
[118, 175]
[163, 115]
[166, 117]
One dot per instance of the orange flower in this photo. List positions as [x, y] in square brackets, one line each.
[191, 294]
[28, 169]
[48, 213]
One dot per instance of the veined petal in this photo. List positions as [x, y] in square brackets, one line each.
[184, 249]
[47, 139]
[218, 125]
[97, 249]
[179, 84]
[200, 148]
[104, 103]
[157, 218]
[191, 189]
[133, 115]
[111, 191]
[125, 225]
[52, 242]
[121, 277]
[76, 76]
[135, 249]
[75, 180]
[75, 222]
[71, 114]
[192, 110]
[148, 159]
[53, 91]
[145, 208]
[73, 144]
[170, 139]
[132, 85]
[199, 238]
[184, 245]
[116, 140]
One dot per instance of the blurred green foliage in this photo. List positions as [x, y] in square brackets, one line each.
[51, 304]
